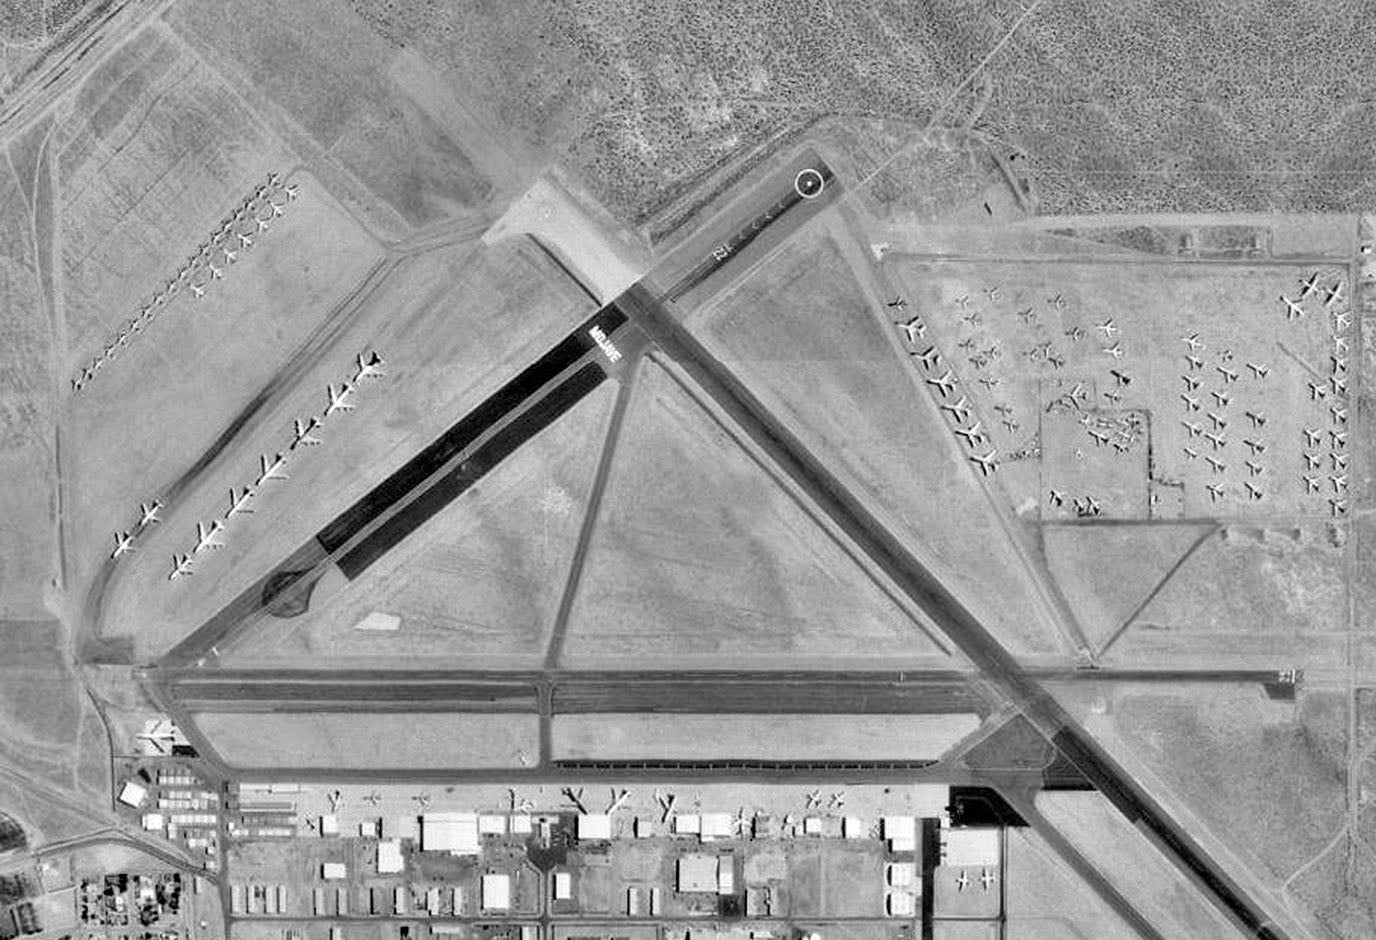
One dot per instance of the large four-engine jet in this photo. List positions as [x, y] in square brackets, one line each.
[270, 470]
[124, 543]
[370, 367]
[339, 401]
[208, 538]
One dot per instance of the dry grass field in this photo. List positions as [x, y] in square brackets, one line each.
[52, 736]
[1133, 865]
[422, 145]
[800, 332]
[450, 327]
[378, 740]
[1262, 598]
[1107, 572]
[1046, 900]
[1250, 769]
[1340, 888]
[155, 151]
[828, 879]
[758, 737]
[28, 546]
[700, 559]
[476, 587]
[1261, 783]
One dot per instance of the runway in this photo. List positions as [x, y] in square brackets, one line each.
[931, 692]
[570, 693]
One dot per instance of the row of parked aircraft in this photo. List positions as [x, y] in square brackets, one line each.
[930, 360]
[246, 213]
[247, 210]
[986, 878]
[1335, 437]
[208, 536]
[148, 515]
[1085, 506]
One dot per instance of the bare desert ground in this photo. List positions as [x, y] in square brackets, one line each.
[372, 741]
[758, 737]
[700, 558]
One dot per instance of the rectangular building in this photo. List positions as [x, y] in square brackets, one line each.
[455, 833]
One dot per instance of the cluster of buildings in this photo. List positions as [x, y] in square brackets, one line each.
[124, 905]
[173, 802]
[17, 914]
[467, 872]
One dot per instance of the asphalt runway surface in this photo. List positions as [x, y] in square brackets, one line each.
[688, 274]
[641, 692]
[669, 692]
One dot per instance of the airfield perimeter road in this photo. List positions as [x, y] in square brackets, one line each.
[49, 78]
[1001, 676]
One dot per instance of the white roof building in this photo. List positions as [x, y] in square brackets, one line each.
[901, 831]
[333, 871]
[901, 904]
[389, 860]
[132, 794]
[496, 891]
[976, 847]
[900, 874]
[491, 825]
[687, 824]
[563, 886]
[455, 833]
[597, 826]
[714, 826]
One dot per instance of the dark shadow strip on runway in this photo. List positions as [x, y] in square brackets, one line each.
[467, 430]
[501, 445]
